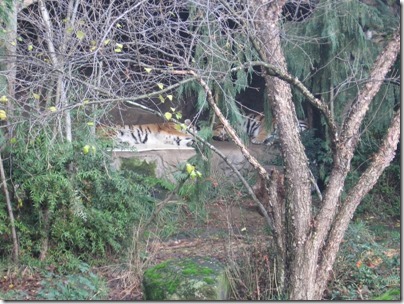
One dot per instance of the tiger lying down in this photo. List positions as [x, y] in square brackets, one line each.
[152, 134]
[254, 126]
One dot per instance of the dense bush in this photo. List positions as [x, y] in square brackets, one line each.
[67, 202]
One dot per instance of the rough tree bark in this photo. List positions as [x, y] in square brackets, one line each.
[297, 176]
[312, 243]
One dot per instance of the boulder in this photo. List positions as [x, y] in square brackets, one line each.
[196, 278]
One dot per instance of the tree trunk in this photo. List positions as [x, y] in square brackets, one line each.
[310, 252]
[297, 178]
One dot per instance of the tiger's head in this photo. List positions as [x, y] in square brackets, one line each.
[219, 133]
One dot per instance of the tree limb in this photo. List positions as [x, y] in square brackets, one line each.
[368, 179]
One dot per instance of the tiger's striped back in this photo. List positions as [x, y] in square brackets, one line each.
[254, 126]
[160, 133]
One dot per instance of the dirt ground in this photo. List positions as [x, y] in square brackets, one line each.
[228, 231]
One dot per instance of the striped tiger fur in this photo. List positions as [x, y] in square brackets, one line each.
[254, 126]
[159, 133]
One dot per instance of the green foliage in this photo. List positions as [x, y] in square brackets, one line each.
[364, 267]
[5, 9]
[72, 199]
[393, 294]
[81, 286]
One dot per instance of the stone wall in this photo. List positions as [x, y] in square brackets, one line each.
[167, 157]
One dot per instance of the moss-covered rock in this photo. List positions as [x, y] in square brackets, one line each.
[196, 278]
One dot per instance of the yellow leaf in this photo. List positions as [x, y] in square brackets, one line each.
[189, 168]
[199, 174]
[11, 286]
[36, 96]
[148, 70]
[192, 174]
[106, 41]
[118, 50]
[118, 25]
[13, 43]
[168, 115]
[3, 115]
[119, 45]
[170, 97]
[93, 149]
[3, 99]
[52, 109]
[85, 101]
[13, 140]
[30, 47]
[19, 38]
[160, 85]
[90, 123]
[161, 98]
[93, 42]
[80, 35]
[243, 229]
[86, 149]
[170, 64]
[172, 109]
[69, 30]
[93, 48]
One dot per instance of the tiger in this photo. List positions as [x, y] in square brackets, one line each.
[254, 127]
[159, 133]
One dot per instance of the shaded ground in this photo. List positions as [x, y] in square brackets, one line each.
[230, 229]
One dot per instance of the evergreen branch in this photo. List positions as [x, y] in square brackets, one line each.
[275, 72]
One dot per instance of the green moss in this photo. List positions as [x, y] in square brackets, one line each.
[209, 280]
[192, 268]
[189, 278]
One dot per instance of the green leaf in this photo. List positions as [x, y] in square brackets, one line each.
[178, 115]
